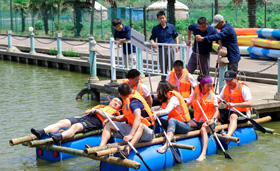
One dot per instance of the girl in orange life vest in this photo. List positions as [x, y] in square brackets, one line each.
[174, 105]
[91, 121]
[207, 99]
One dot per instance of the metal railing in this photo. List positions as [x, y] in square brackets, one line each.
[147, 60]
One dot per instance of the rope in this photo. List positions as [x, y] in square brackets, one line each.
[74, 44]
[267, 67]
[104, 46]
[43, 42]
[21, 39]
[4, 37]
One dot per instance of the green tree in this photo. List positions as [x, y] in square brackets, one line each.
[77, 5]
[21, 6]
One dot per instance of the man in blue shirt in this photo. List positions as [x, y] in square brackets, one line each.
[123, 34]
[228, 39]
[165, 33]
[204, 48]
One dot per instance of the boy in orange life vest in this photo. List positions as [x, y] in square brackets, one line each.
[91, 121]
[208, 101]
[175, 106]
[139, 116]
[181, 78]
[237, 95]
[135, 82]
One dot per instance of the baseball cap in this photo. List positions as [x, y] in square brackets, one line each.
[217, 18]
[229, 75]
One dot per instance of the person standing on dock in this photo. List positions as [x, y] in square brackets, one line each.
[123, 34]
[207, 99]
[165, 33]
[91, 121]
[204, 48]
[237, 95]
[181, 78]
[175, 106]
[135, 82]
[228, 39]
[137, 113]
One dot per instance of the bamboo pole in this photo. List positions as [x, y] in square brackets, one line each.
[183, 146]
[113, 160]
[226, 138]
[50, 140]
[115, 147]
[20, 140]
[269, 130]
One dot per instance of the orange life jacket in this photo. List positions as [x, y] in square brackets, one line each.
[136, 88]
[206, 102]
[107, 109]
[183, 117]
[185, 84]
[129, 114]
[236, 96]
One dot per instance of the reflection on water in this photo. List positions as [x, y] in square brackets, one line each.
[32, 96]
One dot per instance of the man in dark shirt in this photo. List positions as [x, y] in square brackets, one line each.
[123, 34]
[204, 48]
[228, 39]
[165, 33]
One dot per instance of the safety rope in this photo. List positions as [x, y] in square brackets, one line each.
[103, 46]
[20, 39]
[267, 67]
[74, 44]
[44, 42]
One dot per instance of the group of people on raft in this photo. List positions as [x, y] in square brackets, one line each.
[175, 95]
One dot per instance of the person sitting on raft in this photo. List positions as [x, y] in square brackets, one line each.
[91, 121]
[208, 101]
[181, 78]
[175, 106]
[139, 116]
[135, 82]
[237, 95]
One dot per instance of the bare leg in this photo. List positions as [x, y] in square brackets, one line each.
[136, 136]
[165, 146]
[232, 124]
[69, 133]
[106, 134]
[193, 124]
[204, 139]
[65, 123]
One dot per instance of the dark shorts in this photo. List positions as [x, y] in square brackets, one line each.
[225, 115]
[89, 123]
[199, 124]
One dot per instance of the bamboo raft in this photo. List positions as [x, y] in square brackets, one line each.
[188, 146]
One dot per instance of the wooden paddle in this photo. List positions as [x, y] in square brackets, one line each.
[256, 125]
[131, 146]
[217, 139]
[177, 156]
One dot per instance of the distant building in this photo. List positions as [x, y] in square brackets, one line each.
[181, 10]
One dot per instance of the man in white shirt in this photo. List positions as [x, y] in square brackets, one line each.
[237, 95]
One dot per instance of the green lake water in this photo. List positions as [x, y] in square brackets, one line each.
[32, 96]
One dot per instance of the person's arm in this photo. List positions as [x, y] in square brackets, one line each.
[153, 38]
[246, 94]
[193, 83]
[215, 37]
[136, 123]
[149, 100]
[147, 95]
[189, 41]
[113, 118]
[174, 101]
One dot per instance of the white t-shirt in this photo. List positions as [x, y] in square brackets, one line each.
[246, 95]
[202, 119]
[192, 81]
[146, 92]
[173, 103]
